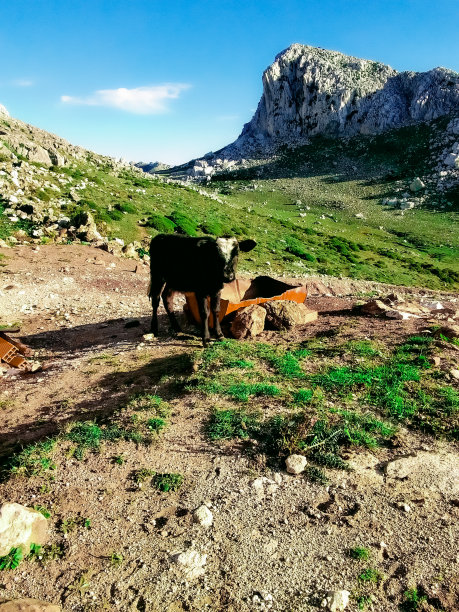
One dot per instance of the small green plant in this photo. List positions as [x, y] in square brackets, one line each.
[363, 601]
[70, 524]
[360, 553]
[412, 600]
[167, 482]
[141, 475]
[156, 424]
[46, 513]
[35, 553]
[116, 559]
[228, 424]
[33, 460]
[52, 552]
[11, 560]
[82, 584]
[370, 575]
[315, 474]
[119, 459]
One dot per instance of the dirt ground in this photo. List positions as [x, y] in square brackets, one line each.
[280, 546]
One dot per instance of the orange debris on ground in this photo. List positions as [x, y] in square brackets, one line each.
[241, 293]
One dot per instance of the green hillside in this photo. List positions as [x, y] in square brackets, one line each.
[301, 207]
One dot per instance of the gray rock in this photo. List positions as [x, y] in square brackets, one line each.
[203, 516]
[248, 322]
[296, 464]
[20, 527]
[336, 601]
[285, 314]
[417, 185]
[428, 471]
[191, 562]
[309, 91]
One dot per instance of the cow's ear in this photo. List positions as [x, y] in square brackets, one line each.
[247, 245]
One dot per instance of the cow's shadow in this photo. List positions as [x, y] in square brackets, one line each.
[102, 340]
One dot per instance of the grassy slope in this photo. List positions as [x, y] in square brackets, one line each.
[333, 178]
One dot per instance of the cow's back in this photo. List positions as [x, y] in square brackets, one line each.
[186, 263]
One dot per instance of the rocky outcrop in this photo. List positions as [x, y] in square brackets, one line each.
[152, 167]
[309, 91]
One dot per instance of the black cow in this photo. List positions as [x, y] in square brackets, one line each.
[199, 265]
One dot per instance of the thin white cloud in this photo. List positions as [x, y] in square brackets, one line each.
[142, 100]
[23, 82]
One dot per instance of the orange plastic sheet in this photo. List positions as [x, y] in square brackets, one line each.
[241, 293]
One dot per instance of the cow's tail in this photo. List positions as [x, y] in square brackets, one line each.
[149, 293]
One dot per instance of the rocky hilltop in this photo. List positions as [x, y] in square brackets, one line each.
[309, 91]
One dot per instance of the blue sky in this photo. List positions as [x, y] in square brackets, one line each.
[171, 80]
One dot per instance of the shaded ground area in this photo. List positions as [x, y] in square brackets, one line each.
[277, 545]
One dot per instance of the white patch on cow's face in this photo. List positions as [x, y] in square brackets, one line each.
[226, 246]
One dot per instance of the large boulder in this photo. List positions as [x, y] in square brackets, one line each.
[248, 322]
[20, 527]
[28, 605]
[285, 314]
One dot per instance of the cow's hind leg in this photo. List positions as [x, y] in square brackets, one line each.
[203, 306]
[215, 309]
[156, 288]
[168, 301]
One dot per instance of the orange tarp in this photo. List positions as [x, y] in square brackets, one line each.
[242, 293]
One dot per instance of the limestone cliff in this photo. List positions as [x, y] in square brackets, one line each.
[309, 91]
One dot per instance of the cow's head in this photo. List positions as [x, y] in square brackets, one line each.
[229, 250]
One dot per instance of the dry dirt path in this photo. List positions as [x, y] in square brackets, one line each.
[277, 546]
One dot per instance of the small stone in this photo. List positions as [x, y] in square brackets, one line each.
[454, 374]
[191, 562]
[277, 477]
[203, 516]
[149, 337]
[417, 185]
[296, 464]
[336, 601]
[403, 506]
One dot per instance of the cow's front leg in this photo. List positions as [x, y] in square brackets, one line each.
[204, 314]
[215, 308]
[156, 287]
[168, 301]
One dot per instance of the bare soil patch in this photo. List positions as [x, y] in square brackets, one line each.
[281, 548]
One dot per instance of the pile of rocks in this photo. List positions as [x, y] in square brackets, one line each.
[276, 315]
[395, 307]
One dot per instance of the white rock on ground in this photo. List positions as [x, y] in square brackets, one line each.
[417, 184]
[20, 527]
[428, 471]
[28, 605]
[203, 516]
[248, 322]
[191, 562]
[296, 464]
[336, 600]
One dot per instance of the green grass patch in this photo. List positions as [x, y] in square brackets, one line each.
[360, 553]
[370, 575]
[11, 560]
[167, 482]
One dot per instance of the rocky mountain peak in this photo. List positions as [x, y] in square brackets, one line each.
[3, 111]
[309, 91]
